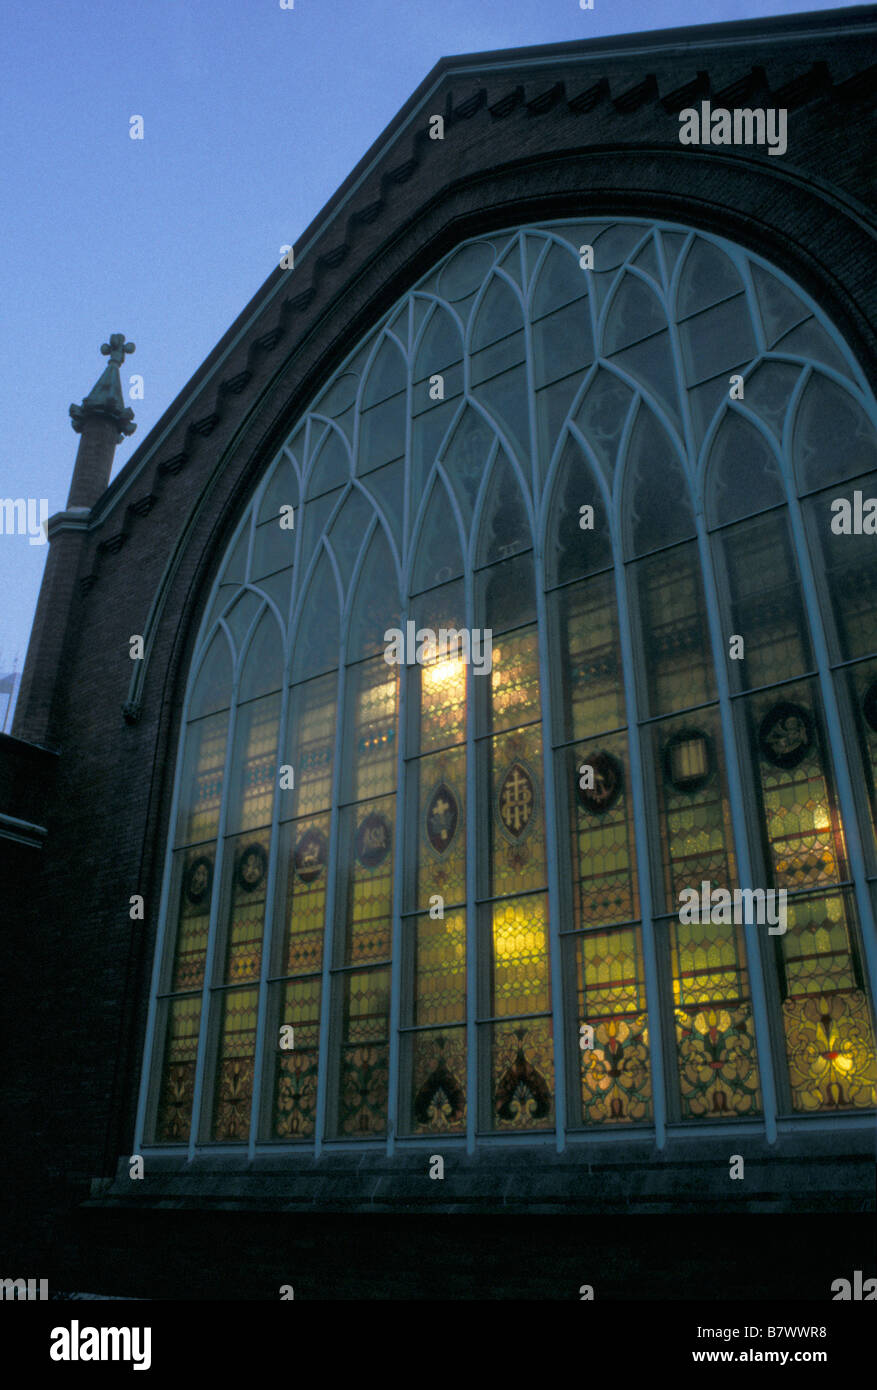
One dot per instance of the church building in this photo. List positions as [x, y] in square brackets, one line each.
[444, 777]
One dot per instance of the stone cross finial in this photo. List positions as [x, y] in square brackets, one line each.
[117, 348]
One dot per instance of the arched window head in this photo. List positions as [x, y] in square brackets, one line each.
[505, 528]
[579, 541]
[657, 507]
[376, 604]
[452, 729]
[212, 688]
[742, 468]
[262, 670]
[319, 629]
[834, 438]
[347, 532]
[438, 554]
[330, 465]
[465, 456]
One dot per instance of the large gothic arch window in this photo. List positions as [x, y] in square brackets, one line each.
[442, 897]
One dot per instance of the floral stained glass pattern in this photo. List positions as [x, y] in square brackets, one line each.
[295, 1071]
[438, 1081]
[234, 1080]
[177, 1090]
[364, 1075]
[522, 1071]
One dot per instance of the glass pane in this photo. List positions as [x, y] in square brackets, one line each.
[615, 1084]
[562, 343]
[245, 870]
[650, 363]
[212, 688]
[234, 570]
[382, 434]
[366, 887]
[331, 465]
[521, 1082]
[861, 683]
[436, 964]
[370, 753]
[437, 684]
[386, 375]
[718, 340]
[657, 506]
[201, 780]
[505, 399]
[707, 276]
[434, 1081]
[465, 457]
[715, 1037]
[376, 602]
[316, 642]
[561, 281]
[177, 1077]
[282, 490]
[677, 669]
[505, 527]
[810, 340]
[439, 848]
[635, 313]
[507, 594]
[386, 487]
[696, 837]
[514, 681]
[440, 347]
[828, 1023]
[312, 521]
[765, 603]
[302, 894]
[348, 532]
[602, 415]
[365, 1051]
[579, 538]
[780, 307]
[744, 475]
[769, 390]
[499, 314]
[834, 439]
[805, 837]
[239, 618]
[294, 1004]
[439, 556]
[843, 526]
[600, 819]
[233, 1097]
[584, 632]
[254, 765]
[517, 823]
[273, 547]
[465, 270]
[311, 747]
[192, 889]
[263, 663]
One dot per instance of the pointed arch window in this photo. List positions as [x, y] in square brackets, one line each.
[399, 894]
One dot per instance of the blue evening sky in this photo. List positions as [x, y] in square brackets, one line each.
[253, 115]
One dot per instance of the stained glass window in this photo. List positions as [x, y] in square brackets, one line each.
[439, 894]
